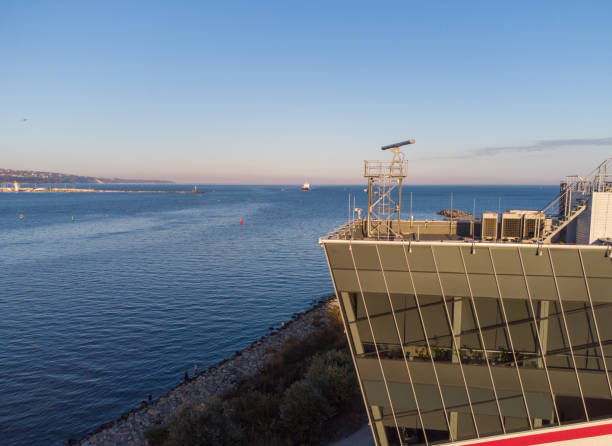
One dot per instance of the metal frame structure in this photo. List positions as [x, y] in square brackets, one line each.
[385, 193]
[572, 199]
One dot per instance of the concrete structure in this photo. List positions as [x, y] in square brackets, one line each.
[596, 222]
[458, 339]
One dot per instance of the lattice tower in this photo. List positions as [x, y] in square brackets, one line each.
[385, 195]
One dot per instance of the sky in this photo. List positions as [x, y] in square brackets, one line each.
[284, 92]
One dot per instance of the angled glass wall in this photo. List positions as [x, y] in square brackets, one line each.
[454, 342]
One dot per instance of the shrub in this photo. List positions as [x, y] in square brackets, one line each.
[156, 436]
[204, 424]
[304, 411]
[257, 413]
[333, 375]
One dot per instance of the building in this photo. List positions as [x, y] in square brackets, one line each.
[466, 334]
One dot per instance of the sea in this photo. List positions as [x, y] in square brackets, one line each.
[106, 298]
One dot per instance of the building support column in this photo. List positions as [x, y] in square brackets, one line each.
[352, 322]
[543, 329]
[543, 326]
[457, 304]
[379, 426]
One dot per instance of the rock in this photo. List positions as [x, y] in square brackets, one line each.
[457, 214]
[129, 429]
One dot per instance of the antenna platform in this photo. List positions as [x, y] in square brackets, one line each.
[385, 193]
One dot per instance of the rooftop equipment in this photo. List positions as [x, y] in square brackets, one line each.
[583, 200]
[384, 203]
[398, 144]
[533, 223]
[511, 225]
[489, 225]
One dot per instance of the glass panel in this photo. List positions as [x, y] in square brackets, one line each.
[523, 332]
[413, 330]
[437, 329]
[584, 337]
[587, 354]
[502, 359]
[437, 433]
[348, 303]
[554, 337]
[424, 376]
[598, 408]
[485, 408]
[366, 257]
[405, 408]
[382, 323]
[410, 428]
[378, 303]
[493, 330]
[560, 364]
[513, 408]
[477, 373]
[510, 397]
[471, 348]
[458, 408]
[603, 313]
[529, 356]
[444, 349]
[570, 409]
[488, 424]
[384, 426]
[541, 405]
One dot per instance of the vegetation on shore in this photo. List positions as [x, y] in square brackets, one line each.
[38, 177]
[305, 392]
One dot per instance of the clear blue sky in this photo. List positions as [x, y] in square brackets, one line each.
[283, 92]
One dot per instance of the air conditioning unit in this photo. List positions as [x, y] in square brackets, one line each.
[489, 225]
[511, 225]
[533, 224]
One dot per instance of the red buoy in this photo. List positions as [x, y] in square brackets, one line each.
[240, 220]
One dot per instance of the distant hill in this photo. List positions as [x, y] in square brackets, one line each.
[37, 177]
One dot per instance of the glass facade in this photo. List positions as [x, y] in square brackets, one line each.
[453, 342]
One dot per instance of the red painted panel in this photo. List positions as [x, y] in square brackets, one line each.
[550, 437]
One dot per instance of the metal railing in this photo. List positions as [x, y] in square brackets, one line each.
[572, 201]
[385, 168]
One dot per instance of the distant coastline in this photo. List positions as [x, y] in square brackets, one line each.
[39, 177]
[86, 190]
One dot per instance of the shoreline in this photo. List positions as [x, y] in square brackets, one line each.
[57, 190]
[130, 427]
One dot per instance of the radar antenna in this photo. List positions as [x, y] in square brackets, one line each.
[384, 203]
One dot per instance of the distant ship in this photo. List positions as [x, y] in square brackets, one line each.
[306, 187]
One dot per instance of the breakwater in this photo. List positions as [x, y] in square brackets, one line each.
[129, 429]
[83, 190]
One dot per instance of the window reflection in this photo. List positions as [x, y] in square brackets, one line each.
[552, 370]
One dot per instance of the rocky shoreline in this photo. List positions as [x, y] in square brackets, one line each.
[129, 429]
[457, 214]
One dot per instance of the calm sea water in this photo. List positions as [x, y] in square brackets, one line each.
[99, 312]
